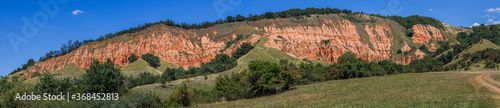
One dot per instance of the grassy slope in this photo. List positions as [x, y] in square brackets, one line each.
[141, 66]
[164, 65]
[69, 71]
[475, 48]
[403, 90]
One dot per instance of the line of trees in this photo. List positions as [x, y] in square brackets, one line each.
[30, 62]
[409, 21]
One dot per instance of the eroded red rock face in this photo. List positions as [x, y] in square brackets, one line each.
[329, 42]
[425, 33]
[167, 46]
[406, 60]
[326, 41]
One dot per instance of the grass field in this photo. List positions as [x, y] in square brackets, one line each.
[441, 89]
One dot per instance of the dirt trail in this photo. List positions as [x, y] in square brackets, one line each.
[486, 76]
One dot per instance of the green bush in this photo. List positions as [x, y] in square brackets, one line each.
[102, 78]
[144, 78]
[262, 78]
[154, 61]
[168, 75]
[490, 64]
[244, 49]
[49, 84]
[132, 58]
[184, 97]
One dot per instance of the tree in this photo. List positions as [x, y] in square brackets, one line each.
[230, 19]
[49, 84]
[168, 75]
[347, 57]
[154, 61]
[102, 78]
[410, 32]
[345, 11]
[240, 18]
[399, 51]
[132, 58]
[490, 64]
[244, 49]
[264, 75]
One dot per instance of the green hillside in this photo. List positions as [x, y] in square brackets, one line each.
[472, 49]
[141, 66]
[69, 71]
[404, 90]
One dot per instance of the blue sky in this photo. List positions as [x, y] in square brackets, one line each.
[88, 19]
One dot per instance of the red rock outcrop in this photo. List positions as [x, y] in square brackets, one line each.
[167, 46]
[406, 60]
[329, 42]
[422, 34]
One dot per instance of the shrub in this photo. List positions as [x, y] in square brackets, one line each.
[102, 78]
[244, 49]
[49, 84]
[399, 51]
[184, 96]
[132, 58]
[144, 78]
[490, 64]
[154, 61]
[168, 75]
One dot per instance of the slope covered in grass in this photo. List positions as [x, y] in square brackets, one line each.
[137, 67]
[69, 71]
[474, 48]
[403, 90]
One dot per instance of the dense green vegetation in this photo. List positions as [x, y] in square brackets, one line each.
[490, 56]
[244, 49]
[49, 84]
[169, 75]
[409, 21]
[132, 58]
[102, 78]
[154, 61]
[491, 32]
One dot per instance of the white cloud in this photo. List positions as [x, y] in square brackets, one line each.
[490, 20]
[487, 15]
[493, 10]
[495, 22]
[475, 24]
[429, 9]
[76, 12]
